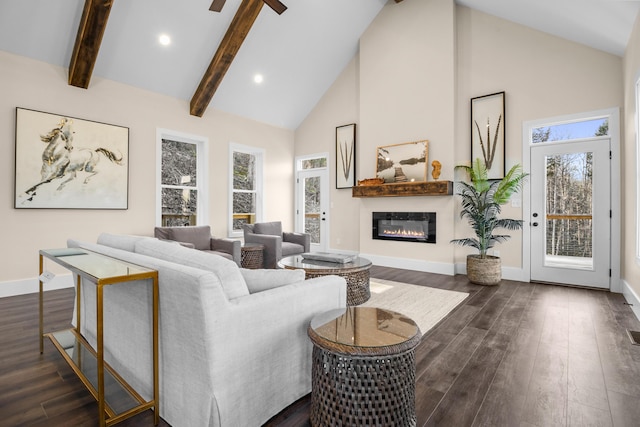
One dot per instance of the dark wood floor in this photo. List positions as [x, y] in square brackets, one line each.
[518, 354]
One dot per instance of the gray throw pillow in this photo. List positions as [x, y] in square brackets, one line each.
[199, 236]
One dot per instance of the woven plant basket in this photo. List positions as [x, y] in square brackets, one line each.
[487, 271]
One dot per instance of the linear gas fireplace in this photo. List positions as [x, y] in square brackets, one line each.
[405, 226]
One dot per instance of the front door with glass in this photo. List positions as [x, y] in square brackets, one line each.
[570, 212]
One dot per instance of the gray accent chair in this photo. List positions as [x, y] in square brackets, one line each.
[199, 237]
[277, 244]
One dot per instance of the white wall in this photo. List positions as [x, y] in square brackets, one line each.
[420, 63]
[40, 86]
[317, 133]
[630, 217]
[407, 93]
[542, 76]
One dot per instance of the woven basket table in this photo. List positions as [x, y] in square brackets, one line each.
[356, 273]
[363, 368]
[252, 255]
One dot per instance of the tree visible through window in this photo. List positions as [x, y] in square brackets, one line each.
[246, 188]
[179, 179]
[569, 131]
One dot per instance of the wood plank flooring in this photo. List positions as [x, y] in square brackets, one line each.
[518, 354]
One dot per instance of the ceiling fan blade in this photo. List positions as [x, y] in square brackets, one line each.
[276, 5]
[216, 5]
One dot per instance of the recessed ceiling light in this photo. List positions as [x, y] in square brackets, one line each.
[258, 78]
[164, 40]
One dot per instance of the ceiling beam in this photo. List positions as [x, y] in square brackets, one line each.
[88, 40]
[217, 5]
[276, 5]
[231, 42]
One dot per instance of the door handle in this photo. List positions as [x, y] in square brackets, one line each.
[535, 215]
[535, 224]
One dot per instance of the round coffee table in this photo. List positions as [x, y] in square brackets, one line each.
[355, 272]
[363, 369]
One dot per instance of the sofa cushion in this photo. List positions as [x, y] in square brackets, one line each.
[121, 241]
[218, 253]
[199, 236]
[272, 228]
[261, 280]
[228, 272]
[289, 248]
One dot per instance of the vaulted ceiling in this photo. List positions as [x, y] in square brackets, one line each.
[213, 57]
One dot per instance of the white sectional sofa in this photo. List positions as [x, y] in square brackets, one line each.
[233, 344]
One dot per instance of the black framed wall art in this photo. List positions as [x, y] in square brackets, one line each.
[346, 156]
[487, 133]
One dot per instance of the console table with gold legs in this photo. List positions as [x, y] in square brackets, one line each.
[116, 399]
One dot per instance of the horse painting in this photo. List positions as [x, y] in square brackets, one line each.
[60, 159]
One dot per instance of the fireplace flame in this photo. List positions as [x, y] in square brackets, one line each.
[403, 233]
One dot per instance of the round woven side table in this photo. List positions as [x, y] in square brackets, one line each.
[363, 368]
[252, 255]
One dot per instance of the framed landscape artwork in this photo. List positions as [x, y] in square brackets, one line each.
[405, 162]
[346, 156]
[487, 132]
[64, 162]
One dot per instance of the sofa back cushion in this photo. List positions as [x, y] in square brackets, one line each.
[233, 283]
[272, 228]
[121, 241]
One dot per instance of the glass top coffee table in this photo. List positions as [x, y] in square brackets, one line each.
[363, 368]
[356, 273]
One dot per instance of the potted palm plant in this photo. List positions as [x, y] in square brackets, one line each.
[481, 204]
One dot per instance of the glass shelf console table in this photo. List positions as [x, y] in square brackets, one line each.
[116, 399]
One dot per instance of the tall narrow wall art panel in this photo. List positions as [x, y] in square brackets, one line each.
[346, 156]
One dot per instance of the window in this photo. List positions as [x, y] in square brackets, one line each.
[571, 130]
[313, 163]
[182, 198]
[246, 187]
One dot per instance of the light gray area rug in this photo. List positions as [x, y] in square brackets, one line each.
[425, 306]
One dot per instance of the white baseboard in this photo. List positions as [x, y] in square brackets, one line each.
[30, 286]
[632, 298]
[411, 264]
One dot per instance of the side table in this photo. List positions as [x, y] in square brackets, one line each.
[363, 368]
[117, 400]
[252, 255]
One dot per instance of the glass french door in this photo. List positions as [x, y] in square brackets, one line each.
[570, 213]
[311, 212]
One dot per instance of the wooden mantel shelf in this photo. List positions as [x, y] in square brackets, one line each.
[404, 189]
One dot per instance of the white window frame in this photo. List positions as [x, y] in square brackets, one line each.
[202, 180]
[259, 190]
